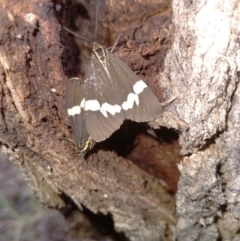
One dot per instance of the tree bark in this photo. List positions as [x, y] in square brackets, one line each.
[33, 118]
[201, 69]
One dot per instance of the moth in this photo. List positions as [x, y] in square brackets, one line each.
[110, 93]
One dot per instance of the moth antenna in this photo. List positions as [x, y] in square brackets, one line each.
[77, 35]
[116, 42]
[96, 22]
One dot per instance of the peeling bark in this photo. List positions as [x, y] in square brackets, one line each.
[201, 69]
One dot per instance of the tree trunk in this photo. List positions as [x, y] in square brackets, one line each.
[201, 69]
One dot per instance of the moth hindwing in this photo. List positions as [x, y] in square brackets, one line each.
[110, 93]
[75, 92]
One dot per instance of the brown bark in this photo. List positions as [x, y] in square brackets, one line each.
[33, 118]
[203, 65]
[201, 69]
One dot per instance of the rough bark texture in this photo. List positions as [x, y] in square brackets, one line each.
[33, 118]
[201, 70]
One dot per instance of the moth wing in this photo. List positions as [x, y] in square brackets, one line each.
[102, 107]
[139, 103]
[75, 94]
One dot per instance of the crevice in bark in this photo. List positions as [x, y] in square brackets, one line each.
[85, 221]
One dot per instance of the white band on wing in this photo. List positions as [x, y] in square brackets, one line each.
[94, 105]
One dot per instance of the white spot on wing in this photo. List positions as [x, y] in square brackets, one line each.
[130, 101]
[112, 109]
[82, 103]
[92, 105]
[74, 110]
[139, 86]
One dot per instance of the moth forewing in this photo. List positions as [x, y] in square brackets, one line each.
[139, 103]
[75, 98]
[102, 111]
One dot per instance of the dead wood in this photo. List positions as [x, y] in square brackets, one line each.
[33, 119]
[201, 69]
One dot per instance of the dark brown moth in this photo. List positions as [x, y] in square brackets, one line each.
[110, 93]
